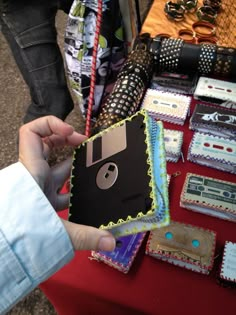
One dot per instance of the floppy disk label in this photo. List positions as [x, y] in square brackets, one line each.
[107, 145]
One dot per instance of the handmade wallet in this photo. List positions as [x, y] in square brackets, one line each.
[213, 151]
[119, 180]
[173, 144]
[214, 120]
[171, 107]
[227, 274]
[215, 91]
[183, 245]
[124, 254]
[209, 196]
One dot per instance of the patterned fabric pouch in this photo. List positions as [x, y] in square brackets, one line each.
[95, 50]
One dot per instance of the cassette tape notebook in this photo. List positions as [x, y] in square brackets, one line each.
[228, 266]
[213, 151]
[173, 144]
[183, 245]
[119, 179]
[171, 107]
[209, 196]
[215, 91]
[124, 254]
[214, 120]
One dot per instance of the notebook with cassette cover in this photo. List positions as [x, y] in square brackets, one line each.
[215, 91]
[213, 151]
[123, 256]
[209, 196]
[183, 245]
[228, 266]
[173, 144]
[119, 179]
[214, 120]
[166, 106]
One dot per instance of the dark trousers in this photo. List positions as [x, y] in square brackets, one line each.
[29, 28]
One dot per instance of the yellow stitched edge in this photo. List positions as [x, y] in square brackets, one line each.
[149, 162]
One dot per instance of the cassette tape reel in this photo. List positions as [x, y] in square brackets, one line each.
[110, 180]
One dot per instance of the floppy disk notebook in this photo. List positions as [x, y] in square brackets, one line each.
[209, 196]
[119, 179]
[124, 254]
[183, 245]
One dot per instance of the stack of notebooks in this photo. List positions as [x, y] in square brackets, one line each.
[213, 151]
[214, 120]
[183, 245]
[166, 106]
[119, 179]
[209, 196]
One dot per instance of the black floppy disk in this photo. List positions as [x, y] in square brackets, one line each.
[112, 181]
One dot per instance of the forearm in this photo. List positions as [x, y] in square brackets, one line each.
[33, 241]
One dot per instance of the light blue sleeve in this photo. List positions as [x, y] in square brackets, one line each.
[33, 241]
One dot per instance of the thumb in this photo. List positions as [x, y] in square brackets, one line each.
[89, 238]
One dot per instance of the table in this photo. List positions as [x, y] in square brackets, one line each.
[151, 287]
[86, 286]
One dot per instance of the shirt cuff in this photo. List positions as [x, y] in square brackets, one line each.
[32, 232]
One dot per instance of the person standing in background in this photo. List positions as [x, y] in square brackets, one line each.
[29, 28]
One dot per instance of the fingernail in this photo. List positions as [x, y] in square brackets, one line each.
[107, 243]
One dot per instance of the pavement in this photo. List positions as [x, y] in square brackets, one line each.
[14, 99]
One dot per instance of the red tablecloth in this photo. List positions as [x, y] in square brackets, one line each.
[151, 287]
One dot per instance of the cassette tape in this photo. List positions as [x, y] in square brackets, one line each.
[124, 254]
[166, 106]
[119, 179]
[173, 144]
[213, 151]
[218, 92]
[183, 245]
[209, 196]
[174, 82]
[214, 120]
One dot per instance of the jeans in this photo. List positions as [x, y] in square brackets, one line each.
[29, 28]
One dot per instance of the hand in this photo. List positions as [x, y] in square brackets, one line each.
[36, 139]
